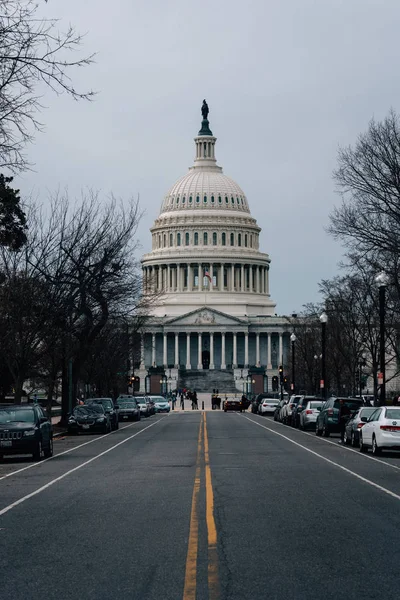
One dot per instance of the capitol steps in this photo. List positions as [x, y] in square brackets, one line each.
[207, 380]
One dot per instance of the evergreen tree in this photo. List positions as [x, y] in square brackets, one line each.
[12, 217]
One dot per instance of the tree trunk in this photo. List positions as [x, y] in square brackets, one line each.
[18, 386]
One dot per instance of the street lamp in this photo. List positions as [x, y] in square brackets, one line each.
[360, 366]
[382, 280]
[323, 320]
[293, 339]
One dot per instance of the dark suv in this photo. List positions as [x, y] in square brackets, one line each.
[109, 409]
[25, 430]
[328, 420]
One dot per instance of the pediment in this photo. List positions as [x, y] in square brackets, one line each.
[205, 316]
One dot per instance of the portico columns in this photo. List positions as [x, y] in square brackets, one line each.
[223, 359]
[176, 350]
[234, 351]
[165, 361]
[246, 349]
[280, 348]
[269, 362]
[211, 366]
[188, 365]
[257, 349]
[153, 349]
[199, 352]
[251, 278]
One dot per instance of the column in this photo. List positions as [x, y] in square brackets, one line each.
[280, 361]
[234, 351]
[269, 362]
[141, 366]
[251, 278]
[246, 349]
[159, 279]
[199, 351]
[258, 280]
[188, 365]
[223, 358]
[177, 350]
[178, 278]
[242, 278]
[212, 276]
[212, 350]
[221, 278]
[266, 281]
[165, 362]
[168, 286]
[189, 281]
[200, 277]
[153, 349]
[257, 349]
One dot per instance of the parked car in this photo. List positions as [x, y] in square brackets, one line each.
[160, 404]
[328, 418]
[25, 430]
[128, 409]
[89, 418]
[267, 406]
[381, 430]
[144, 405]
[354, 424]
[277, 411]
[109, 409]
[232, 404]
[255, 404]
[308, 416]
[287, 409]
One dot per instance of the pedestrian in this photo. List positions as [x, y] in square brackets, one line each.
[195, 400]
[182, 400]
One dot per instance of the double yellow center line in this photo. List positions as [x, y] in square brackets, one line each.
[189, 592]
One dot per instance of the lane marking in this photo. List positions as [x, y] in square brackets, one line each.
[336, 445]
[189, 590]
[37, 464]
[332, 462]
[87, 462]
[213, 579]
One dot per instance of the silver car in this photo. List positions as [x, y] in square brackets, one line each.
[308, 416]
[144, 405]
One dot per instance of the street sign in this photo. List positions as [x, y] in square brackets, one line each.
[380, 378]
[322, 384]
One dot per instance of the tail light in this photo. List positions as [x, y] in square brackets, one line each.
[390, 428]
[359, 425]
[330, 411]
[309, 412]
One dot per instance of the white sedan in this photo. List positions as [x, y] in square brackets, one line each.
[381, 430]
[267, 406]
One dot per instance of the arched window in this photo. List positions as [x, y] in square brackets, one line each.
[171, 239]
[245, 240]
[214, 238]
[226, 199]
[190, 199]
[187, 238]
[159, 241]
[233, 200]
[251, 240]
[183, 200]
[212, 199]
[177, 200]
[223, 239]
[239, 239]
[196, 238]
[205, 199]
[164, 241]
[197, 199]
[205, 238]
[232, 239]
[178, 239]
[219, 200]
[237, 200]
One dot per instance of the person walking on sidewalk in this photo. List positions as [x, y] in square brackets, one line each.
[182, 401]
[194, 400]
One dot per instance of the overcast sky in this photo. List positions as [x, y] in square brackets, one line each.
[287, 82]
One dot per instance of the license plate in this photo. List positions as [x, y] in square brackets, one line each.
[125, 416]
[6, 443]
[85, 426]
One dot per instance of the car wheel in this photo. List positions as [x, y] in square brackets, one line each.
[375, 448]
[301, 426]
[353, 439]
[325, 430]
[37, 453]
[317, 430]
[345, 438]
[362, 446]
[49, 450]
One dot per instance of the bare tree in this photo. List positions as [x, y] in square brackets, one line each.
[32, 51]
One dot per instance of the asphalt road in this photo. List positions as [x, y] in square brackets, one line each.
[200, 506]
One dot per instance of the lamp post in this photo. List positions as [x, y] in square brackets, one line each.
[382, 281]
[323, 320]
[360, 366]
[293, 339]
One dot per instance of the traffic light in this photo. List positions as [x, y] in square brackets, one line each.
[285, 383]
[281, 373]
[275, 383]
[136, 384]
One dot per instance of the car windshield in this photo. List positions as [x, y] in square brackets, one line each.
[94, 408]
[393, 413]
[103, 401]
[19, 415]
[315, 404]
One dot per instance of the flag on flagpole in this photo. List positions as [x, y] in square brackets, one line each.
[207, 274]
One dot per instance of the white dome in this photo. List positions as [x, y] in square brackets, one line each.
[204, 189]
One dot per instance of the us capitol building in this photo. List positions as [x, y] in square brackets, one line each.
[214, 323]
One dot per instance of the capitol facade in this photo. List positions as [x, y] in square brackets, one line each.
[214, 323]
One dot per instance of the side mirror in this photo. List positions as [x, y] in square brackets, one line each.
[44, 420]
[364, 419]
